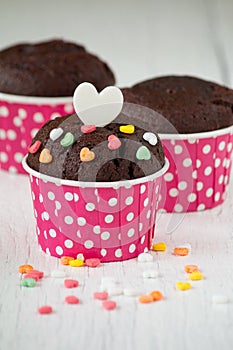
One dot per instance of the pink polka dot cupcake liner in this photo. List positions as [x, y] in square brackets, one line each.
[199, 170]
[20, 119]
[110, 221]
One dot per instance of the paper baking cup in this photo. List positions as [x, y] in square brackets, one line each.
[20, 119]
[113, 221]
[199, 170]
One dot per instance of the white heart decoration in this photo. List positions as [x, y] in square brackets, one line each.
[95, 108]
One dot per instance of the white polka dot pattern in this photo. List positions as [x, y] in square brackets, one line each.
[108, 225]
[198, 173]
[20, 122]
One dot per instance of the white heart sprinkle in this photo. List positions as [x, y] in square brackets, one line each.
[107, 282]
[58, 274]
[114, 290]
[95, 108]
[150, 274]
[55, 133]
[220, 299]
[151, 138]
[145, 257]
[131, 292]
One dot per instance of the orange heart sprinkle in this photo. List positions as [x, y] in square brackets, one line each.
[45, 156]
[144, 299]
[86, 155]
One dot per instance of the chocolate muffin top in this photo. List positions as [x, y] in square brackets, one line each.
[51, 69]
[66, 149]
[191, 105]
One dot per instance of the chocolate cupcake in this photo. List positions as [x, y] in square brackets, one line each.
[95, 185]
[116, 153]
[191, 105]
[37, 82]
[196, 131]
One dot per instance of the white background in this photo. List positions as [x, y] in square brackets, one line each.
[140, 39]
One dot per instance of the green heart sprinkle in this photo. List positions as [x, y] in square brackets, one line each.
[67, 140]
[143, 153]
[28, 282]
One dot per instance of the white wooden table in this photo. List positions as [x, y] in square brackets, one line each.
[140, 40]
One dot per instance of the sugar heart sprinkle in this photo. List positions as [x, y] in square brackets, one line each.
[86, 155]
[113, 142]
[151, 138]
[55, 133]
[87, 129]
[127, 129]
[45, 156]
[34, 148]
[143, 153]
[67, 140]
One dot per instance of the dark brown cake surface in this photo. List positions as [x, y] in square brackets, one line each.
[52, 69]
[108, 165]
[191, 105]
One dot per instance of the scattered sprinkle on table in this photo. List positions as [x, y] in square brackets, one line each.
[150, 274]
[109, 304]
[69, 283]
[71, 299]
[145, 257]
[190, 268]
[145, 299]
[131, 292]
[40, 274]
[25, 268]
[28, 282]
[159, 247]
[107, 282]
[156, 295]
[100, 295]
[114, 290]
[92, 262]
[44, 310]
[195, 276]
[58, 274]
[31, 275]
[183, 285]
[65, 260]
[220, 299]
[181, 251]
[76, 263]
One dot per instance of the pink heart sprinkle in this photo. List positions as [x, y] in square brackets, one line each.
[71, 283]
[87, 129]
[34, 148]
[109, 304]
[114, 142]
[100, 295]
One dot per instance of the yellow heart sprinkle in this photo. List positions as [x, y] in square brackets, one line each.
[76, 263]
[86, 155]
[45, 156]
[196, 276]
[127, 129]
[183, 285]
[159, 247]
